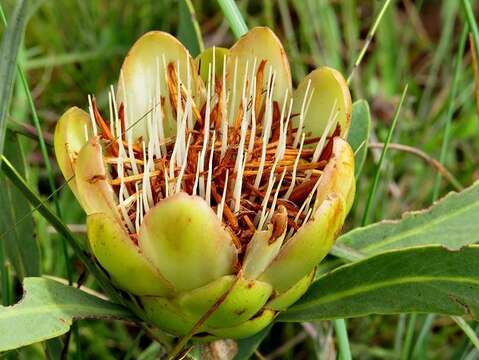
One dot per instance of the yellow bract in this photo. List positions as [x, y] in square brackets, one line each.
[184, 239]
[328, 98]
[143, 70]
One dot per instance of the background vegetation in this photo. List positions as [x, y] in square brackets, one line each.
[74, 48]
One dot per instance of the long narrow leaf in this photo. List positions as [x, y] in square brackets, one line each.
[189, 32]
[466, 4]
[451, 222]
[8, 56]
[429, 279]
[234, 17]
[20, 244]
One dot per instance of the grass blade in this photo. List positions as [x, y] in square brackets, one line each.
[21, 247]
[472, 24]
[471, 334]
[44, 152]
[234, 17]
[369, 38]
[6, 288]
[440, 56]
[420, 347]
[411, 326]
[374, 185]
[323, 19]
[299, 70]
[8, 56]
[189, 32]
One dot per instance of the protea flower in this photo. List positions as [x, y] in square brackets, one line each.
[212, 189]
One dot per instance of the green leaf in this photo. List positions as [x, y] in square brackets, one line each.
[17, 238]
[248, 346]
[189, 32]
[12, 37]
[452, 222]
[359, 132]
[39, 205]
[429, 279]
[48, 309]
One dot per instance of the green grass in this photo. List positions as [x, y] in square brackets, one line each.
[73, 48]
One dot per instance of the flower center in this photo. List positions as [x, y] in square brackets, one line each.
[249, 163]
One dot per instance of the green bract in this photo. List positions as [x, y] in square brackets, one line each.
[214, 189]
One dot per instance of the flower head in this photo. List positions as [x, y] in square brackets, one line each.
[211, 183]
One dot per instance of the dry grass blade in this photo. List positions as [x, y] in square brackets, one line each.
[428, 159]
[369, 38]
